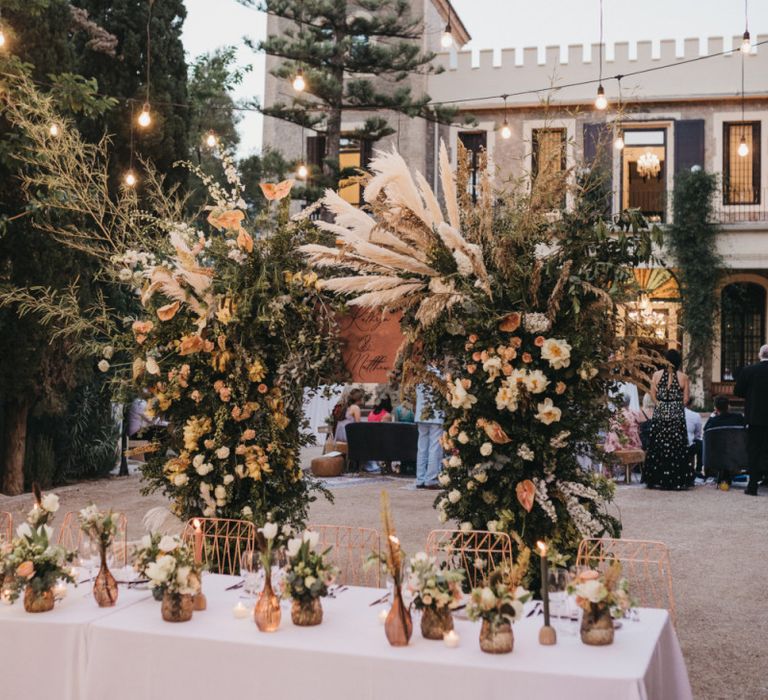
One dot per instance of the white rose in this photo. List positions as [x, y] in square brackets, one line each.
[103, 366]
[222, 452]
[454, 496]
[454, 461]
[487, 599]
[220, 493]
[465, 526]
[548, 412]
[228, 479]
[203, 469]
[444, 479]
[209, 511]
[182, 575]
[151, 366]
[463, 438]
[491, 526]
[146, 542]
[269, 531]
[310, 581]
[50, 502]
[180, 480]
[247, 511]
[442, 516]
[481, 477]
[594, 591]
[536, 381]
[471, 486]
[198, 460]
[486, 448]
[108, 352]
[156, 573]
[125, 275]
[293, 546]
[557, 352]
[312, 537]
[168, 543]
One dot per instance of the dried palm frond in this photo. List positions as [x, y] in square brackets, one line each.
[393, 179]
[387, 297]
[364, 283]
[348, 216]
[553, 305]
[430, 200]
[535, 282]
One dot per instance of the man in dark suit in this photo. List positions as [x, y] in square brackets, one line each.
[752, 386]
[723, 418]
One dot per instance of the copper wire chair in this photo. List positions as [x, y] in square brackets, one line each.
[477, 552]
[645, 564]
[70, 536]
[224, 542]
[6, 525]
[351, 548]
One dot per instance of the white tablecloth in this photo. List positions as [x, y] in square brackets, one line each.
[134, 654]
[44, 655]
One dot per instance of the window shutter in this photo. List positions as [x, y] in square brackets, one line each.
[689, 144]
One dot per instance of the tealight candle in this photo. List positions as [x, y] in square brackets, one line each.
[240, 611]
[59, 591]
[451, 639]
[383, 615]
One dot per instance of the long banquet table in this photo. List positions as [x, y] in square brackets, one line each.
[132, 654]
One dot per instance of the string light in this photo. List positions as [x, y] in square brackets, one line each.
[601, 102]
[618, 142]
[211, 140]
[130, 179]
[746, 43]
[506, 132]
[302, 172]
[446, 40]
[54, 130]
[145, 118]
[743, 149]
[298, 82]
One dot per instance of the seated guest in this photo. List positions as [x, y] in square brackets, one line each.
[723, 418]
[404, 413]
[382, 411]
[693, 426]
[351, 414]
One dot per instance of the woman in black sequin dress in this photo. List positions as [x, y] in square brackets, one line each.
[667, 465]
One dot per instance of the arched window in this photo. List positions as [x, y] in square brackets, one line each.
[742, 327]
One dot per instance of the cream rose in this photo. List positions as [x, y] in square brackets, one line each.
[557, 352]
[486, 448]
[548, 412]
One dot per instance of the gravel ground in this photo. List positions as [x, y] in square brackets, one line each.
[717, 542]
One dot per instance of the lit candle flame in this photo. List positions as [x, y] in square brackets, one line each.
[196, 524]
[542, 547]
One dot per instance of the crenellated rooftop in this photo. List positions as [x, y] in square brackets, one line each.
[484, 73]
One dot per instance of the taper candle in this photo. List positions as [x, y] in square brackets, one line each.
[542, 547]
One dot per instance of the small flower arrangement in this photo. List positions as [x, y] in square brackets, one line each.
[607, 589]
[308, 575]
[498, 601]
[169, 564]
[434, 587]
[100, 527]
[31, 561]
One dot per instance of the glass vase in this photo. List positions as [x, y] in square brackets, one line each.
[177, 607]
[104, 585]
[306, 613]
[35, 602]
[597, 625]
[398, 626]
[266, 613]
[496, 638]
[435, 622]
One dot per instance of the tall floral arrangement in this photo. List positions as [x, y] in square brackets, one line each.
[518, 307]
[213, 319]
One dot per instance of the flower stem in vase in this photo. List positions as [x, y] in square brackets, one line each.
[104, 585]
[398, 625]
[266, 613]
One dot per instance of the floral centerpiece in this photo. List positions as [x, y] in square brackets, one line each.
[602, 596]
[173, 573]
[435, 592]
[31, 563]
[266, 612]
[499, 603]
[527, 306]
[307, 578]
[101, 528]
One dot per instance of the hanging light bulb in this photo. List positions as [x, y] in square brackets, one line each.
[54, 130]
[743, 149]
[746, 43]
[446, 40]
[2, 38]
[211, 140]
[618, 142]
[302, 172]
[506, 132]
[601, 102]
[298, 82]
[145, 118]
[129, 179]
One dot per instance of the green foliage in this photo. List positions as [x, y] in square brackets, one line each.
[692, 242]
[39, 460]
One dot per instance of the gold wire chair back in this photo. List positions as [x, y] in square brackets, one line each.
[6, 525]
[70, 536]
[645, 564]
[477, 552]
[224, 542]
[351, 548]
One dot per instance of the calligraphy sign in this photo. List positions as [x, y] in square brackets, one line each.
[370, 343]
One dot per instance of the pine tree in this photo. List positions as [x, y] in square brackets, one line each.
[354, 55]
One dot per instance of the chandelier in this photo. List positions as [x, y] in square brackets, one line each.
[648, 165]
[651, 322]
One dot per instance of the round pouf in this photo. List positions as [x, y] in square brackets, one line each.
[328, 465]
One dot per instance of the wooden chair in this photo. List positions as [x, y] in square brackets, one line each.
[629, 459]
[70, 536]
[6, 525]
[644, 563]
[478, 552]
[224, 542]
[351, 548]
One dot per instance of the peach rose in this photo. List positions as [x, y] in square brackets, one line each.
[539, 341]
[560, 388]
[527, 358]
[473, 338]
[263, 388]
[476, 356]
[472, 368]
[515, 342]
[25, 570]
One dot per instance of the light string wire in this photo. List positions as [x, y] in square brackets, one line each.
[600, 70]
[149, 47]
